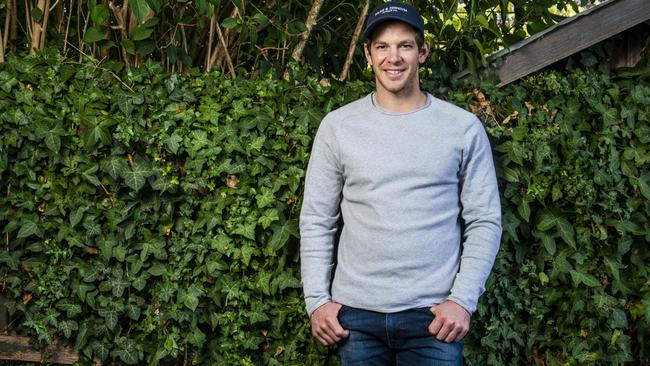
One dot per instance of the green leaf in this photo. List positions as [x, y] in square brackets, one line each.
[71, 309]
[644, 185]
[51, 135]
[270, 216]
[613, 266]
[229, 23]
[549, 244]
[11, 260]
[157, 269]
[173, 142]
[101, 350]
[282, 232]
[106, 248]
[136, 176]
[140, 8]
[114, 166]
[196, 337]
[547, 220]
[190, 297]
[585, 278]
[140, 282]
[524, 210]
[611, 116]
[118, 286]
[566, 232]
[37, 14]
[94, 34]
[260, 18]
[90, 176]
[214, 267]
[81, 289]
[67, 327]
[100, 15]
[29, 228]
[110, 315]
[247, 230]
[141, 32]
[511, 175]
[145, 47]
[128, 45]
[128, 352]
[82, 336]
[133, 311]
[77, 215]
[266, 198]
[619, 319]
[257, 143]
[264, 282]
[94, 134]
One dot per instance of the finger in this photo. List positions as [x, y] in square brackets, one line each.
[333, 331]
[324, 341]
[322, 331]
[435, 326]
[444, 331]
[454, 335]
[335, 328]
[324, 338]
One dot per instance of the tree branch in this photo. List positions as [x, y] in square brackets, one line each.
[208, 54]
[353, 42]
[46, 16]
[37, 28]
[225, 50]
[121, 22]
[304, 36]
[309, 24]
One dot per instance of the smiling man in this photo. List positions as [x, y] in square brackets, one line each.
[411, 178]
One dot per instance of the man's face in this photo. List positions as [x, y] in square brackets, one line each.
[395, 59]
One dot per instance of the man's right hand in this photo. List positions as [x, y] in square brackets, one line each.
[325, 326]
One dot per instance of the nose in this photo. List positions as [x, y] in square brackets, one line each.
[394, 55]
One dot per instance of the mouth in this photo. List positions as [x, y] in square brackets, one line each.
[394, 73]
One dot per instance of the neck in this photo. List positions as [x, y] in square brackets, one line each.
[400, 102]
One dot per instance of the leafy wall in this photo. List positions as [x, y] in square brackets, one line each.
[152, 217]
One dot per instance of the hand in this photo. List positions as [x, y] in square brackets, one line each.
[451, 322]
[325, 326]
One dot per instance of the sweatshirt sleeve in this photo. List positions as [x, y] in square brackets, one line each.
[481, 214]
[319, 216]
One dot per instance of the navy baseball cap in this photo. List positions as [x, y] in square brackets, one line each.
[394, 11]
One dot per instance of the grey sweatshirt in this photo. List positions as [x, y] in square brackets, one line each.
[403, 183]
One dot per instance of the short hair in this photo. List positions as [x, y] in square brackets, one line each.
[419, 40]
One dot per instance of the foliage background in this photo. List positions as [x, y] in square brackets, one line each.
[260, 36]
[149, 216]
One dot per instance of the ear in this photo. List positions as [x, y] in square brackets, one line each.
[424, 52]
[366, 52]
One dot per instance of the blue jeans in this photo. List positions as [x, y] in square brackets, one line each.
[399, 339]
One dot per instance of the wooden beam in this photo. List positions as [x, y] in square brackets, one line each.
[571, 36]
[20, 349]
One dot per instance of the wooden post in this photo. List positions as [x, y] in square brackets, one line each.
[20, 349]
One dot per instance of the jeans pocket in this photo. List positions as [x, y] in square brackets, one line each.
[341, 314]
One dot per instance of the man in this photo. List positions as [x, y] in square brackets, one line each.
[412, 178]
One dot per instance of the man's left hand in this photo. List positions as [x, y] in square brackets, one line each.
[451, 322]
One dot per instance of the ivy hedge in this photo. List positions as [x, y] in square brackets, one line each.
[152, 217]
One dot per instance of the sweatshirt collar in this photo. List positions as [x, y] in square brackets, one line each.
[375, 106]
